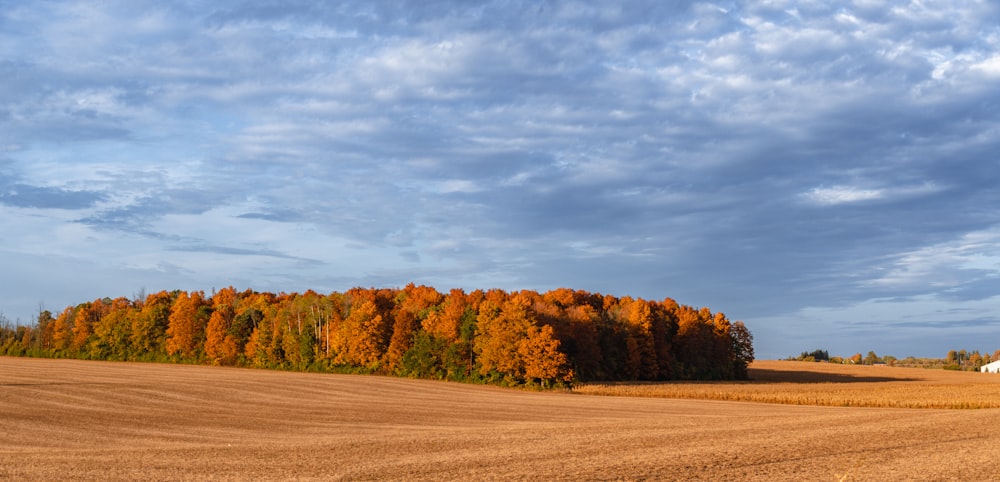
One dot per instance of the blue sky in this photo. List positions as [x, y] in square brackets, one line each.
[826, 171]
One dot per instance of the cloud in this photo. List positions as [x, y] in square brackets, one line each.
[990, 66]
[828, 196]
[761, 158]
[238, 252]
[970, 264]
[22, 195]
[842, 194]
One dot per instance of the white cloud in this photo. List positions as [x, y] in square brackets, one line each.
[457, 186]
[990, 66]
[970, 258]
[828, 196]
[844, 194]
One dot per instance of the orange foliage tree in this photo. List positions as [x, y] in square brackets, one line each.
[220, 344]
[186, 330]
[524, 337]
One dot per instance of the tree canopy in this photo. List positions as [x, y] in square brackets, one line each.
[510, 338]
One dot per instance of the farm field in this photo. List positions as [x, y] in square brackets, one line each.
[807, 383]
[68, 419]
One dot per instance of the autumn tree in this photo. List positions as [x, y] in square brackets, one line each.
[364, 335]
[330, 314]
[243, 325]
[62, 330]
[186, 331]
[951, 357]
[7, 334]
[580, 340]
[301, 316]
[366, 328]
[149, 326]
[642, 361]
[975, 359]
[220, 345]
[261, 348]
[513, 338]
[86, 315]
[694, 343]
[413, 304]
[28, 338]
[664, 329]
[112, 333]
[571, 319]
[512, 346]
[502, 324]
[443, 345]
[542, 360]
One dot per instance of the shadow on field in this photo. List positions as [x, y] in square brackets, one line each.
[50, 384]
[765, 375]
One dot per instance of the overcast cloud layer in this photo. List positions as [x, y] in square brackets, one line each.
[825, 171]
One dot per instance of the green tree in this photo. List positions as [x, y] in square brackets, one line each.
[113, 333]
[42, 339]
[742, 354]
[425, 358]
[149, 326]
[871, 358]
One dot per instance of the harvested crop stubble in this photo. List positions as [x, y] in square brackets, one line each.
[78, 420]
[805, 383]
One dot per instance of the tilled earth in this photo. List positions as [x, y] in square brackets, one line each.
[68, 419]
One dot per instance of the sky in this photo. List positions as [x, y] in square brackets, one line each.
[825, 171]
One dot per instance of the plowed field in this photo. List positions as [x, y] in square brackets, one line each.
[63, 419]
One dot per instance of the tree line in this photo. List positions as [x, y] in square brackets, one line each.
[963, 360]
[969, 360]
[509, 338]
[820, 355]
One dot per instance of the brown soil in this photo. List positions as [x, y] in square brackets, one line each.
[63, 419]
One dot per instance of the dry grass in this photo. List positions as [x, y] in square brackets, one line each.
[77, 420]
[805, 383]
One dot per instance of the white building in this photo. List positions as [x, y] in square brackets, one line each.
[991, 367]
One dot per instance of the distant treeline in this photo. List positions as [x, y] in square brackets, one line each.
[954, 360]
[517, 338]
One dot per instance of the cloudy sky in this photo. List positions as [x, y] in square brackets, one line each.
[826, 171]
